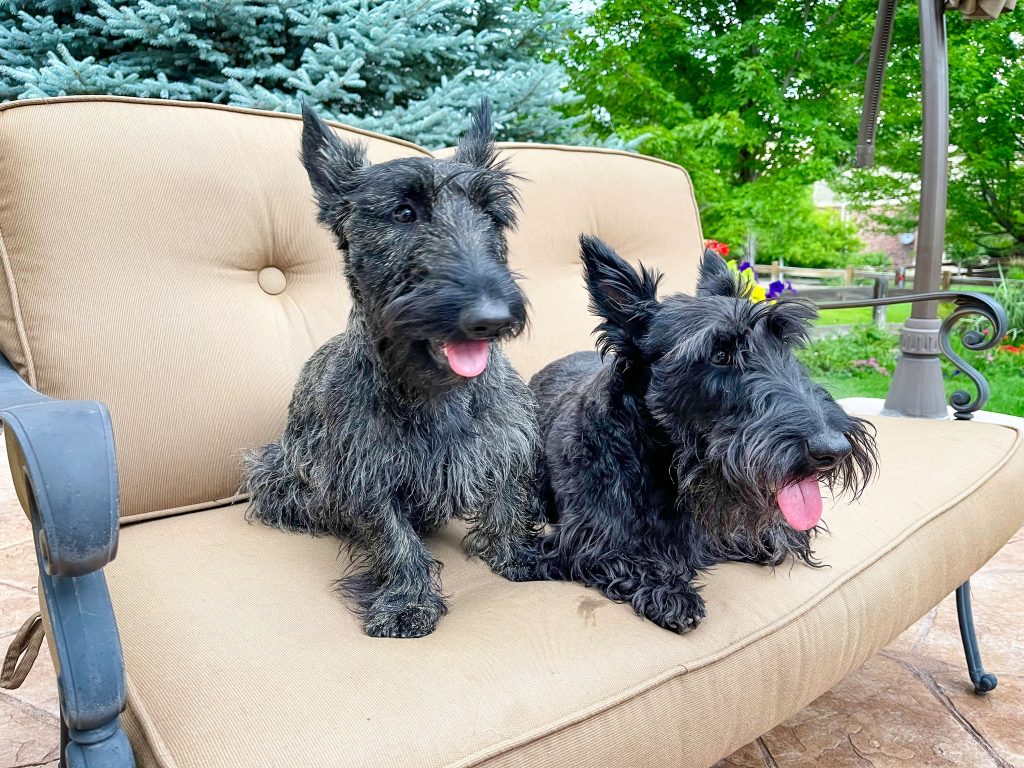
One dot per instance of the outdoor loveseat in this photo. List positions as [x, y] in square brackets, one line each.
[163, 281]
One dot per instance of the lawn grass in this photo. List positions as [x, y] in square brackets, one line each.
[860, 364]
[897, 313]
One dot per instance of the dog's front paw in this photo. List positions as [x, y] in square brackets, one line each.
[679, 609]
[518, 565]
[403, 616]
[680, 623]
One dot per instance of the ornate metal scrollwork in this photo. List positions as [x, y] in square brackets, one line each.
[967, 303]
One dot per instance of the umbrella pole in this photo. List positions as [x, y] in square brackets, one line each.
[917, 388]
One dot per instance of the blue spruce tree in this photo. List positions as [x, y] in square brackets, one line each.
[409, 68]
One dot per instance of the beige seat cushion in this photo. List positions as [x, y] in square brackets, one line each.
[238, 653]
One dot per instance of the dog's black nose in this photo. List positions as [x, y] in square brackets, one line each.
[486, 319]
[827, 449]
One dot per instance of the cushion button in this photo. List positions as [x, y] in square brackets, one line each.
[271, 280]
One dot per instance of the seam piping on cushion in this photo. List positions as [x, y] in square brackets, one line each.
[199, 506]
[19, 321]
[508, 746]
[157, 748]
[525, 145]
[84, 98]
[696, 210]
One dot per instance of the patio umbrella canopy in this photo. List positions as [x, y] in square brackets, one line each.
[981, 9]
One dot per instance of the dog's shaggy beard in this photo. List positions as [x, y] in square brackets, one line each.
[421, 315]
[730, 482]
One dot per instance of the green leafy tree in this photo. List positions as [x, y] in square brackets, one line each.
[409, 68]
[986, 190]
[788, 227]
[757, 98]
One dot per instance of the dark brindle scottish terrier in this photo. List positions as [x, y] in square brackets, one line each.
[413, 415]
[700, 439]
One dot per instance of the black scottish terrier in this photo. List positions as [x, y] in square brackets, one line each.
[413, 415]
[695, 437]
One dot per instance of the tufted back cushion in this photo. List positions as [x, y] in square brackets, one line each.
[164, 258]
[641, 206]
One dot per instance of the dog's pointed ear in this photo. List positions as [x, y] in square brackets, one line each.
[716, 279]
[332, 165]
[624, 298]
[790, 320]
[476, 147]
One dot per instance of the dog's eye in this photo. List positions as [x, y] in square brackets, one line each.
[721, 357]
[404, 214]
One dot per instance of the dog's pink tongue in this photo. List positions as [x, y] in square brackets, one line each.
[801, 503]
[467, 358]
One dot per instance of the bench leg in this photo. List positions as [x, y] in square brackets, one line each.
[63, 743]
[983, 681]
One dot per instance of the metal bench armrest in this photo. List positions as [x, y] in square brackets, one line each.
[967, 303]
[61, 454]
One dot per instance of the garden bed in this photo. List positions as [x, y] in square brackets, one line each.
[861, 362]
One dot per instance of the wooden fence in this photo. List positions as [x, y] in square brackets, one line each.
[853, 285]
[850, 275]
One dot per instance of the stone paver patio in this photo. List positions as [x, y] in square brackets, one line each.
[910, 705]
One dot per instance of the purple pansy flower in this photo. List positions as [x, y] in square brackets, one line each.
[776, 288]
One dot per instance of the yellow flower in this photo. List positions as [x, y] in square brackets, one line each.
[748, 282]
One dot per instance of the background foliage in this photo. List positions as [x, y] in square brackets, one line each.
[755, 97]
[860, 364]
[758, 98]
[409, 68]
[986, 190]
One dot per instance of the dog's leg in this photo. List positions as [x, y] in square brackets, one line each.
[658, 590]
[547, 509]
[673, 605]
[505, 535]
[658, 587]
[399, 590]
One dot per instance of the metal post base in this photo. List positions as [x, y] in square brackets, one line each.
[64, 739]
[917, 389]
[105, 746]
[983, 681]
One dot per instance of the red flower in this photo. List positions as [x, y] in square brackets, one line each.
[720, 248]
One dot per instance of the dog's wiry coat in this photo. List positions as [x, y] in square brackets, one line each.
[384, 442]
[664, 454]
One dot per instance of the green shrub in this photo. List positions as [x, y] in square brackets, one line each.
[861, 363]
[1015, 272]
[1010, 294]
[835, 357]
